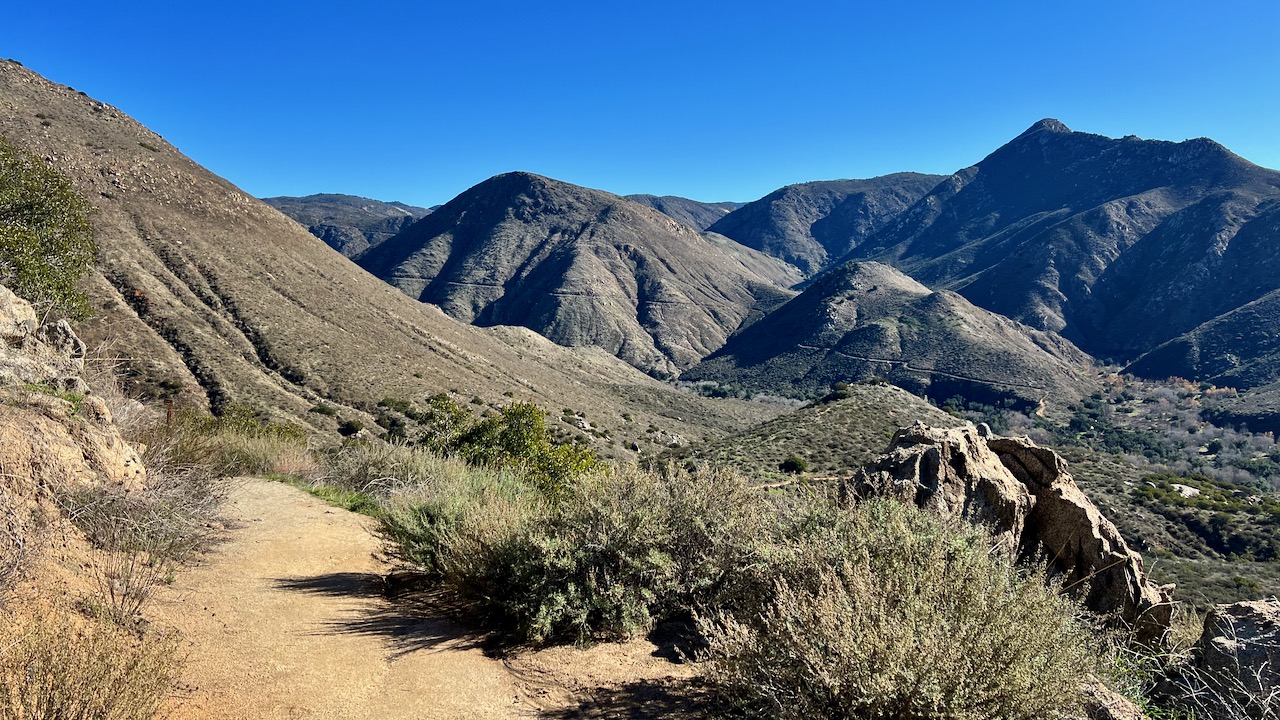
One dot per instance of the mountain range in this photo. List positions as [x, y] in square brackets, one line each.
[1119, 245]
[347, 223]
[1117, 248]
[812, 225]
[582, 267]
[700, 215]
[1000, 282]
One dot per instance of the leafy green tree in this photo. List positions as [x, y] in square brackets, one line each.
[794, 464]
[46, 239]
[518, 437]
[442, 422]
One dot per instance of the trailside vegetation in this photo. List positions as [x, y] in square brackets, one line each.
[46, 239]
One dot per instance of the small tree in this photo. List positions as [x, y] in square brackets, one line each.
[46, 240]
[443, 421]
[794, 465]
[518, 437]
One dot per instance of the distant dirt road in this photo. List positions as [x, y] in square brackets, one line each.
[286, 620]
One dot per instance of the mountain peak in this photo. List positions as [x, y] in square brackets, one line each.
[1047, 125]
[519, 178]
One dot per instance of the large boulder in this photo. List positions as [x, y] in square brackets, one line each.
[1024, 495]
[1239, 650]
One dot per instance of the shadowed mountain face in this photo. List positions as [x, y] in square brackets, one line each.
[813, 224]
[1120, 245]
[582, 267]
[1239, 349]
[695, 214]
[865, 320]
[214, 296]
[347, 223]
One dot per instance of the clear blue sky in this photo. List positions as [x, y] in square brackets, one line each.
[416, 101]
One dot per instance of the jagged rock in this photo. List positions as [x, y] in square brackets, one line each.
[950, 471]
[1074, 536]
[1024, 494]
[1239, 650]
[34, 354]
[52, 432]
[59, 337]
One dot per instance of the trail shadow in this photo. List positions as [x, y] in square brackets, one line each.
[677, 640]
[339, 584]
[409, 617]
[642, 700]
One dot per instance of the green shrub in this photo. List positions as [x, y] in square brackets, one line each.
[616, 552]
[397, 404]
[243, 420]
[839, 391]
[889, 612]
[442, 422]
[793, 465]
[518, 438]
[46, 240]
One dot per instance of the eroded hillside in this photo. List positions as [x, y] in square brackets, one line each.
[867, 320]
[582, 267]
[213, 296]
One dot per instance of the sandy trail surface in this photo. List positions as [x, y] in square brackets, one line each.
[287, 619]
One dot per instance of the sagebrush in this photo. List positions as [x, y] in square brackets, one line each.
[603, 556]
[886, 611]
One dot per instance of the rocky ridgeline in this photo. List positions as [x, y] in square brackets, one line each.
[1024, 494]
[53, 430]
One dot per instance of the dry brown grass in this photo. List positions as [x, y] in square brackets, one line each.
[17, 542]
[62, 667]
[102, 369]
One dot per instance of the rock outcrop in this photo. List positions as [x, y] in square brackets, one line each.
[1239, 651]
[53, 430]
[36, 354]
[1033, 507]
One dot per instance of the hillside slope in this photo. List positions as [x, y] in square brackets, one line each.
[1119, 245]
[813, 224]
[866, 319]
[833, 438]
[211, 295]
[347, 223]
[582, 267]
[700, 215]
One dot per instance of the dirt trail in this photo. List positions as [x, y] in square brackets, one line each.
[287, 620]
